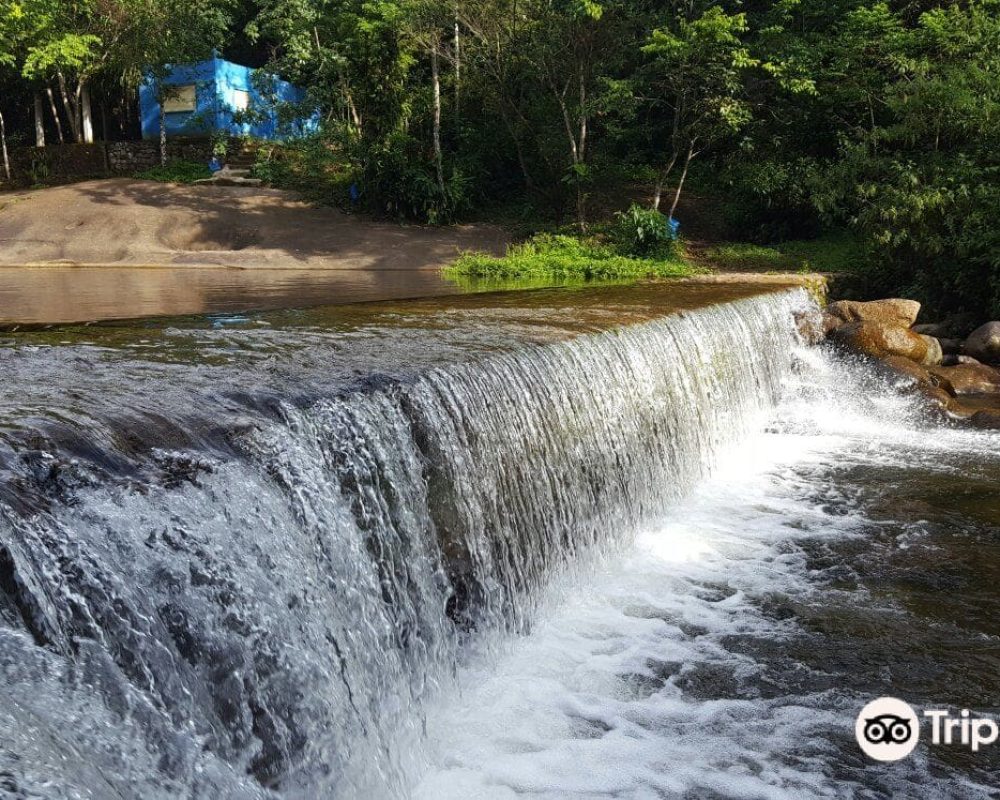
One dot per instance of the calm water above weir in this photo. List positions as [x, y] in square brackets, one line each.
[543, 545]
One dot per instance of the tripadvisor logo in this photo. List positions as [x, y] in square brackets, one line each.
[888, 729]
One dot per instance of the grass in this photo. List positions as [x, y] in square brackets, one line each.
[177, 172]
[566, 258]
[831, 253]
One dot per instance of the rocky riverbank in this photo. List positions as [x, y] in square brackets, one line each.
[952, 364]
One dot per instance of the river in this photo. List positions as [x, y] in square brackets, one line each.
[597, 543]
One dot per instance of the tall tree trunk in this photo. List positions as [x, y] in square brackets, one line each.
[352, 109]
[661, 181]
[436, 77]
[581, 195]
[457, 45]
[72, 112]
[163, 134]
[39, 121]
[3, 146]
[55, 114]
[680, 182]
[574, 153]
[86, 116]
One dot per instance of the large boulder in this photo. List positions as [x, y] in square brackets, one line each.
[934, 351]
[956, 326]
[935, 329]
[897, 367]
[987, 418]
[953, 360]
[889, 312]
[906, 373]
[810, 326]
[950, 347]
[984, 343]
[970, 378]
[879, 340]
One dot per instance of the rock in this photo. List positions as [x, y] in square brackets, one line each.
[831, 323]
[934, 351]
[810, 326]
[891, 312]
[970, 378]
[880, 340]
[949, 347]
[984, 343]
[896, 367]
[987, 418]
[938, 399]
[935, 329]
[951, 360]
[958, 409]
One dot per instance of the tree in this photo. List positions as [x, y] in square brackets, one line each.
[698, 72]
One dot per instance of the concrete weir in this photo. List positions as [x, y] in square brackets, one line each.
[239, 557]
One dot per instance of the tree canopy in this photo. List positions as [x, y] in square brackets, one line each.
[794, 115]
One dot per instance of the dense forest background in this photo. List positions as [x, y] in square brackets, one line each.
[792, 116]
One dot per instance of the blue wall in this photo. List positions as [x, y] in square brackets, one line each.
[216, 83]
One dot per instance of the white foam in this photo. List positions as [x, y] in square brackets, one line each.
[593, 702]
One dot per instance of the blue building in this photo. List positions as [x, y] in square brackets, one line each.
[217, 95]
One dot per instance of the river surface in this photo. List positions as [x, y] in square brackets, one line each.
[551, 545]
[850, 549]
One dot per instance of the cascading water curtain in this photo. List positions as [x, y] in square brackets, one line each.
[274, 628]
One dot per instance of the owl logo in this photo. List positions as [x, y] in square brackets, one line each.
[887, 729]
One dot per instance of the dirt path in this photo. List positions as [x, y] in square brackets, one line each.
[127, 222]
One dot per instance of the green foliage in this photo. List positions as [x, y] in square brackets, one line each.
[809, 115]
[310, 166]
[831, 253]
[642, 231]
[177, 172]
[397, 179]
[561, 257]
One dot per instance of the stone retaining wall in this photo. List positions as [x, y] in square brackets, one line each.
[61, 162]
[125, 158]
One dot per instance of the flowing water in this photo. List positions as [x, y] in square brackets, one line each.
[482, 551]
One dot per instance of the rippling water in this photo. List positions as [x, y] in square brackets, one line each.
[846, 551]
[532, 554]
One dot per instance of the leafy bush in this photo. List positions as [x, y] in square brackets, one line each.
[565, 257]
[397, 178]
[642, 231]
[177, 172]
[311, 166]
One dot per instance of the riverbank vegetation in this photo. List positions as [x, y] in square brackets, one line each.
[563, 257]
[795, 118]
[177, 172]
[832, 253]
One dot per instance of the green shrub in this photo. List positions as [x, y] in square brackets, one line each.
[565, 257]
[641, 231]
[177, 172]
[311, 165]
[397, 178]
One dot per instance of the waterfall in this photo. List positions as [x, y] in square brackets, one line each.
[273, 625]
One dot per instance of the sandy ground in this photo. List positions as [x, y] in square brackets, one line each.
[128, 222]
[124, 248]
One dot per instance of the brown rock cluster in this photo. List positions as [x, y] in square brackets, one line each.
[955, 375]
